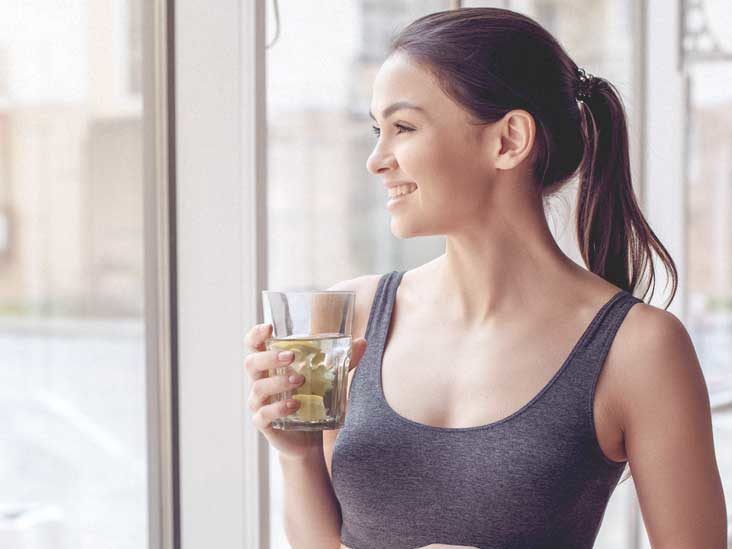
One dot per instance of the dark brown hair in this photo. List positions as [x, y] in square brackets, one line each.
[492, 61]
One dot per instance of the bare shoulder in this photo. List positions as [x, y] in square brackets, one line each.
[653, 335]
[668, 431]
[359, 283]
[356, 283]
[655, 359]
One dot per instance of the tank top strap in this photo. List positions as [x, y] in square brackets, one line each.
[366, 379]
[588, 358]
[592, 351]
[381, 309]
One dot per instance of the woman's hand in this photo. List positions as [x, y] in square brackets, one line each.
[258, 363]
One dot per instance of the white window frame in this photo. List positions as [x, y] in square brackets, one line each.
[221, 245]
[205, 261]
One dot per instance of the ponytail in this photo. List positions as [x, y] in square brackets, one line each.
[614, 238]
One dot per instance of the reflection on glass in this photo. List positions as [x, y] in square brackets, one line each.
[72, 385]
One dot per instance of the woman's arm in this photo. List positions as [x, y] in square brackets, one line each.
[312, 511]
[668, 434]
[312, 516]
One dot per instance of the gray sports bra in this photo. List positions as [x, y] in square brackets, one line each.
[535, 479]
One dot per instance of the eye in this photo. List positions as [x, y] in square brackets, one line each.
[377, 131]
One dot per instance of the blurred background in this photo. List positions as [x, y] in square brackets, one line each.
[73, 456]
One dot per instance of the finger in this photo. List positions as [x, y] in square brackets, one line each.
[250, 368]
[264, 361]
[263, 418]
[255, 338]
[358, 349]
[263, 389]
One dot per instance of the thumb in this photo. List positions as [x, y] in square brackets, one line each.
[358, 348]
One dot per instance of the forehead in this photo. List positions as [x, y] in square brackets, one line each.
[401, 79]
[398, 79]
[398, 69]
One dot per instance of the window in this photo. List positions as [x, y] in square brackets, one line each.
[707, 50]
[72, 378]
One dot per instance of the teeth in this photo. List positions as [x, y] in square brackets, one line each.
[402, 190]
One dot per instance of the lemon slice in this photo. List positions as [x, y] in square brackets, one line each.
[306, 355]
[310, 362]
[304, 345]
[311, 407]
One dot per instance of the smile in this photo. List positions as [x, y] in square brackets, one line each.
[401, 190]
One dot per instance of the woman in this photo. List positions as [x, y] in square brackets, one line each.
[504, 388]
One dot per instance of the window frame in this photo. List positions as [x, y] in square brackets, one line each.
[205, 193]
[159, 273]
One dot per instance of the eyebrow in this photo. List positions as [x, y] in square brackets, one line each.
[391, 109]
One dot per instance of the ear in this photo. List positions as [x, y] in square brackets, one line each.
[516, 131]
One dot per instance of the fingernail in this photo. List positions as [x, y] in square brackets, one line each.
[296, 379]
[263, 328]
[291, 403]
[285, 356]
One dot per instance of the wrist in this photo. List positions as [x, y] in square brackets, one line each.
[311, 455]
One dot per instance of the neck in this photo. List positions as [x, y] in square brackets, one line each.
[509, 259]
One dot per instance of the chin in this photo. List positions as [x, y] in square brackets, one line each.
[402, 228]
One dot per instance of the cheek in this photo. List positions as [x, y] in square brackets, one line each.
[426, 159]
[441, 166]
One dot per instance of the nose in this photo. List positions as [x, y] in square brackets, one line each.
[380, 161]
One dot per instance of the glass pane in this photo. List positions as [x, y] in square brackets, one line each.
[708, 227]
[73, 458]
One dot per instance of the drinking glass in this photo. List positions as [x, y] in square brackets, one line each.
[316, 327]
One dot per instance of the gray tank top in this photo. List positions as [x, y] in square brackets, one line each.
[535, 479]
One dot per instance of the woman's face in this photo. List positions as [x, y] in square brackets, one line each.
[433, 146]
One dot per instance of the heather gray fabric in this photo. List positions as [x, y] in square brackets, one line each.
[535, 479]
